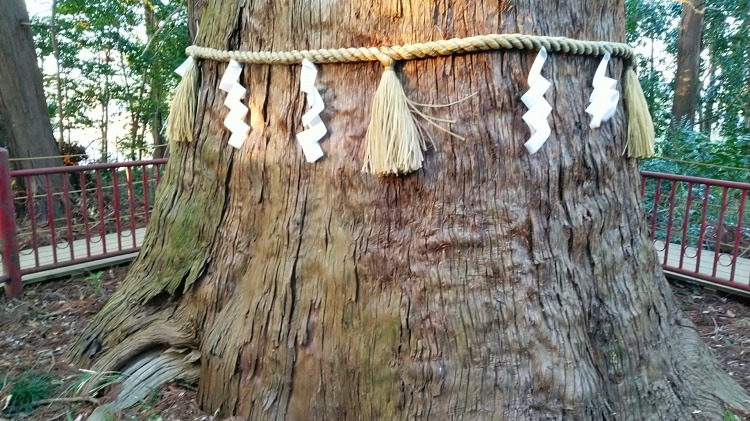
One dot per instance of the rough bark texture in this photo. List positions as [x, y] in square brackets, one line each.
[687, 79]
[21, 94]
[31, 143]
[22, 100]
[493, 284]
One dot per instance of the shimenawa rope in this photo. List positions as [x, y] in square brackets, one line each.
[394, 143]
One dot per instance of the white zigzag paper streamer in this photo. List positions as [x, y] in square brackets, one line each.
[538, 107]
[605, 96]
[309, 138]
[235, 120]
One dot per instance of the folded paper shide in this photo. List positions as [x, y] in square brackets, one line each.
[395, 140]
[235, 119]
[315, 128]
[539, 108]
[604, 97]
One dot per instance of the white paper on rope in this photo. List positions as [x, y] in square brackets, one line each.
[184, 66]
[539, 108]
[235, 120]
[604, 97]
[315, 128]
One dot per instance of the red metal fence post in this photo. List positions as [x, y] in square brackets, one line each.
[8, 239]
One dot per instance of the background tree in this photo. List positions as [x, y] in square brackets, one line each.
[490, 285]
[687, 82]
[25, 119]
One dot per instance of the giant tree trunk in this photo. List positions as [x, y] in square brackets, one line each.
[687, 80]
[493, 284]
[22, 101]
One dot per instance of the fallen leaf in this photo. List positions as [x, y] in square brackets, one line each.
[731, 314]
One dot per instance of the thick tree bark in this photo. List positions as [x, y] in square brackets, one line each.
[687, 78]
[194, 12]
[22, 100]
[23, 106]
[493, 284]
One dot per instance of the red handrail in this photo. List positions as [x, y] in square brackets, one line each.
[63, 225]
[8, 239]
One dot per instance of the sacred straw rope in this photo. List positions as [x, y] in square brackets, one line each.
[393, 144]
[419, 51]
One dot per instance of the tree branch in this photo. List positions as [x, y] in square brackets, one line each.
[89, 399]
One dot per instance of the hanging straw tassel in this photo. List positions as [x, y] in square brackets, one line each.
[183, 106]
[640, 125]
[393, 143]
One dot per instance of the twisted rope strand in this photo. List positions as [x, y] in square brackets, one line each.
[420, 50]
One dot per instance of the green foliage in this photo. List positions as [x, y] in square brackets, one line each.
[95, 281]
[27, 389]
[84, 379]
[3, 133]
[726, 88]
[116, 59]
[652, 27]
[692, 153]
[729, 416]
[718, 145]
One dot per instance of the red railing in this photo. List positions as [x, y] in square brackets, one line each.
[56, 217]
[66, 216]
[700, 227]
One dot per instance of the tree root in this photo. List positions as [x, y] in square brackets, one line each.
[146, 373]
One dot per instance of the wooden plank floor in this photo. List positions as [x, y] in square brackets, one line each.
[46, 255]
[705, 266]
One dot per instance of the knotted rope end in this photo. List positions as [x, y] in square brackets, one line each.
[640, 125]
[183, 106]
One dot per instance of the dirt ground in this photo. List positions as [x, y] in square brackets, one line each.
[36, 330]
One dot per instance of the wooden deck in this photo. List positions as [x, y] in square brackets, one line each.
[705, 266]
[46, 256]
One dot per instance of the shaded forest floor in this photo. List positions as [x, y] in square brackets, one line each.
[36, 330]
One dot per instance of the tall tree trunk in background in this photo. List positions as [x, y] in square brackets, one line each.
[104, 123]
[157, 135]
[707, 117]
[155, 88]
[22, 101]
[58, 78]
[194, 12]
[687, 78]
[493, 284]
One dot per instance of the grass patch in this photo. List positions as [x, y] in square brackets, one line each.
[26, 389]
[84, 379]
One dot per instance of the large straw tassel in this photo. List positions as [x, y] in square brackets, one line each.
[393, 143]
[640, 126]
[182, 109]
